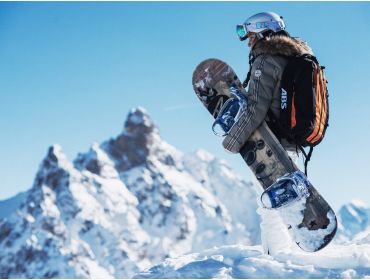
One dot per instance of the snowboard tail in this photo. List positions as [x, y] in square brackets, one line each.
[310, 220]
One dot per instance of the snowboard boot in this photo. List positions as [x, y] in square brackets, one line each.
[274, 234]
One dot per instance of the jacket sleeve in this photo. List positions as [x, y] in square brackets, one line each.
[262, 85]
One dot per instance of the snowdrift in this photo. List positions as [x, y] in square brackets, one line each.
[238, 261]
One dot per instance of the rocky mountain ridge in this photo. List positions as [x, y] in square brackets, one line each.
[123, 206]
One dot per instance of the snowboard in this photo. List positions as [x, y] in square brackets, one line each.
[310, 220]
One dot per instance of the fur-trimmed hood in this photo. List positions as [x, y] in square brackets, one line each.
[281, 45]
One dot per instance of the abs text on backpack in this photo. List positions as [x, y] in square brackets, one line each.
[304, 113]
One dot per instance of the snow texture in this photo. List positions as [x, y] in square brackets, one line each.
[240, 261]
[307, 240]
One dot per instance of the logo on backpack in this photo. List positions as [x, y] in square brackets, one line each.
[284, 99]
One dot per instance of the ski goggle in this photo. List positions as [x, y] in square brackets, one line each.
[229, 114]
[242, 32]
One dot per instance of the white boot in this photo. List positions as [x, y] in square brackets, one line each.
[274, 233]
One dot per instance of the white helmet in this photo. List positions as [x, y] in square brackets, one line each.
[259, 23]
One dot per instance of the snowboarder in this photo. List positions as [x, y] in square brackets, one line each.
[271, 46]
[285, 108]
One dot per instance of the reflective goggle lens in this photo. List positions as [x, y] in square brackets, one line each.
[241, 31]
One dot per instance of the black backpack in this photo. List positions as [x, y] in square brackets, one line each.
[304, 111]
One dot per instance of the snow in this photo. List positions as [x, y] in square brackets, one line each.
[308, 240]
[238, 261]
[139, 116]
[204, 155]
[354, 218]
[9, 206]
[358, 203]
[362, 237]
[95, 271]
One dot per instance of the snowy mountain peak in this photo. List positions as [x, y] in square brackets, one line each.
[54, 166]
[204, 155]
[55, 157]
[122, 206]
[358, 203]
[138, 123]
[97, 161]
[139, 139]
[354, 218]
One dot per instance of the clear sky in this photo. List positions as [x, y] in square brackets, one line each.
[71, 71]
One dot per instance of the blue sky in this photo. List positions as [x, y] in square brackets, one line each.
[71, 71]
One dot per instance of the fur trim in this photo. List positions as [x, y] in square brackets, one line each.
[281, 45]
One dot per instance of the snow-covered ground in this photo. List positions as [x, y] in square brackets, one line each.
[238, 261]
[135, 205]
[348, 256]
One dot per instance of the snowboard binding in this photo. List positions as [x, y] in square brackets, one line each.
[286, 190]
[229, 113]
